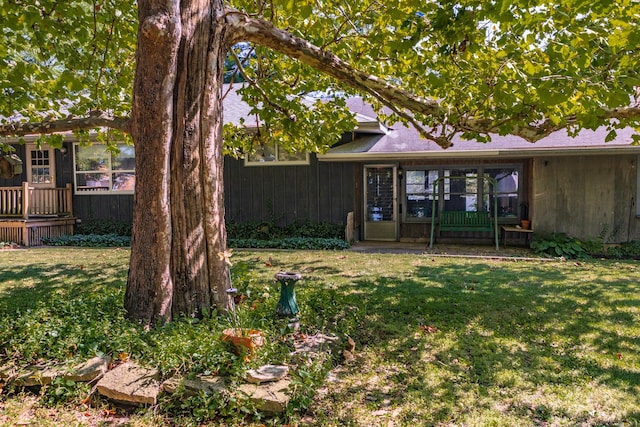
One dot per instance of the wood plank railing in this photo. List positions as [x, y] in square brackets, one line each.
[28, 202]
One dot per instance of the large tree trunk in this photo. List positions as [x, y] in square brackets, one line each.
[178, 224]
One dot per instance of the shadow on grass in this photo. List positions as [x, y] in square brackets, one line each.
[63, 303]
[24, 285]
[453, 334]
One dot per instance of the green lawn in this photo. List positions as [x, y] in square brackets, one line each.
[438, 341]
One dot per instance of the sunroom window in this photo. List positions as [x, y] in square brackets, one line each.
[506, 191]
[273, 154]
[461, 194]
[465, 191]
[419, 191]
[100, 171]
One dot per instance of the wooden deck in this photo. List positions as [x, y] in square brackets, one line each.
[29, 232]
[28, 214]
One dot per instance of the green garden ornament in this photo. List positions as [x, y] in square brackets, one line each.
[287, 306]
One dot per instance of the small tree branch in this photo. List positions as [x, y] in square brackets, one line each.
[96, 119]
[261, 91]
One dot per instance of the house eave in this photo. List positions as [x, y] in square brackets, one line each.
[476, 154]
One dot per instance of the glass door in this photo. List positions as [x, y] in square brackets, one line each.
[40, 167]
[381, 203]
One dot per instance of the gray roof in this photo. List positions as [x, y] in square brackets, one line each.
[405, 143]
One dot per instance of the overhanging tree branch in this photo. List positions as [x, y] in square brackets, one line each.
[261, 91]
[263, 33]
[96, 119]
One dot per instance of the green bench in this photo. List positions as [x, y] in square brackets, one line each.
[466, 221]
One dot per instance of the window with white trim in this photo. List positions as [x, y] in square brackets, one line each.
[100, 171]
[273, 154]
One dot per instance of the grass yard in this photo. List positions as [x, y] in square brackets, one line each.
[439, 341]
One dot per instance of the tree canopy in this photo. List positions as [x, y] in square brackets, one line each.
[446, 67]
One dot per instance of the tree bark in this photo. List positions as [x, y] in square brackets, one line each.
[178, 224]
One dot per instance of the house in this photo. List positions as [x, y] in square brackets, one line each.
[390, 178]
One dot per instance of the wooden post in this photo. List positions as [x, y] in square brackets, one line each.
[69, 199]
[25, 200]
[348, 230]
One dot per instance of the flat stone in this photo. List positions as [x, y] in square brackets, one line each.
[318, 343]
[207, 384]
[7, 373]
[130, 384]
[317, 348]
[90, 370]
[267, 373]
[270, 397]
[38, 375]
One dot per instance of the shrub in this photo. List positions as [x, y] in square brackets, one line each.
[290, 243]
[625, 250]
[593, 247]
[104, 226]
[262, 230]
[268, 230]
[89, 240]
[559, 245]
[324, 230]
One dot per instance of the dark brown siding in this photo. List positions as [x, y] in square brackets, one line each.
[316, 192]
[114, 207]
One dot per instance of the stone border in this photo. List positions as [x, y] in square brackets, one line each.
[130, 384]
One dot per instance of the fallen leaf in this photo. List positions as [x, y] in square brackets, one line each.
[348, 356]
[619, 356]
[427, 329]
[351, 344]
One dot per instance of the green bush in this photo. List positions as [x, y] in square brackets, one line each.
[268, 230]
[89, 240]
[290, 243]
[626, 250]
[559, 245]
[113, 240]
[324, 230]
[261, 230]
[104, 226]
[593, 247]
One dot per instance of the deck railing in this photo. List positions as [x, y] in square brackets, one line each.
[28, 202]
